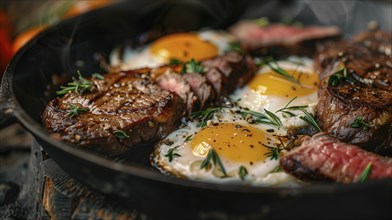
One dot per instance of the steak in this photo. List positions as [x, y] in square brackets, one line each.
[324, 158]
[355, 96]
[221, 76]
[282, 40]
[119, 111]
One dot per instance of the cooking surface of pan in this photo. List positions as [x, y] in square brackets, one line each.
[58, 52]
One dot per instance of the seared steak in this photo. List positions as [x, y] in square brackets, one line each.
[117, 112]
[221, 76]
[355, 98]
[324, 158]
[279, 39]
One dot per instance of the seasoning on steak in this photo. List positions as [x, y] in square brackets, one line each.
[281, 40]
[221, 76]
[355, 97]
[119, 111]
[324, 158]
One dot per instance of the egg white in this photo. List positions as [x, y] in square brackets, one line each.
[253, 100]
[187, 165]
[134, 58]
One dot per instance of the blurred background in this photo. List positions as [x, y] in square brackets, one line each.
[21, 20]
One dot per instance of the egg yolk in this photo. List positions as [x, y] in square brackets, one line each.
[183, 47]
[234, 142]
[271, 83]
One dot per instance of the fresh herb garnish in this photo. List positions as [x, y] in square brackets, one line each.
[277, 69]
[189, 138]
[175, 62]
[204, 116]
[260, 118]
[171, 154]
[98, 76]
[262, 22]
[338, 77]
[308, 118]
[235, 47]
[359, 122]
[75, 110]
[273, 152]
[212, 155]
[273, 118]
[79, 85]
[286, 109]
[192, 66]
[365, 173]
[121, 134]
[242, 172]
[277, 169]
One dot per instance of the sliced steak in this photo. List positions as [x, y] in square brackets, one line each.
[324, 158]
[355, 105]
[201, 87]
[221, 76]
[176, 83]
[126, 102]
[279, 39]
[237, 68]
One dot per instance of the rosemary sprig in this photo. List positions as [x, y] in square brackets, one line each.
[121, 134]
[273, 118]
[308, 118]
[242, 172]
[75, 110]
[365, 173]
[235, 47]
[276, 68]
[338, 77]
[259, 118]
[175, 62]
[291, 108]
[192, 66]
[359, 122]
[188, 138]
[79, 85]
[277, 169]
[98, 76]
[171, 154]
[212, 155]
[273, 152]
[204, 116]
[262, 22]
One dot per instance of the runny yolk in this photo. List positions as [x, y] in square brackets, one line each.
[233, 142]
[183, 47]
[271, 83]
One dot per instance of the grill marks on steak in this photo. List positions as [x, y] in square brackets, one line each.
[281, 40]
[324, 158]
[122, 101]
[146, 103]
[368, 60]
[221, 76]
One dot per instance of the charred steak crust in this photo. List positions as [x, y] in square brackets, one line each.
[324, 158]
[126, 102]
[146, 103]
[365, 94]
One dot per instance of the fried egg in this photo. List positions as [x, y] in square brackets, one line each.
[228, 149]
[179, 46]
[232, 148]
[271, 91]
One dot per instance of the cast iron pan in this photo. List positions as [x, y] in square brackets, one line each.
[70, 45]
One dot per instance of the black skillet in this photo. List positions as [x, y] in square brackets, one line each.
[70, 45]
